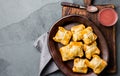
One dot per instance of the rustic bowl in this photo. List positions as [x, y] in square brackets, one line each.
[67, 22]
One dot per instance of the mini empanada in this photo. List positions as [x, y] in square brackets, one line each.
[76, 31]
[63, 36]
[88, 35]
[71, 50]
[91, 50]
[97, 64]
[80, 65]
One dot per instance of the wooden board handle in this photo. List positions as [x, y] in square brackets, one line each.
[87, 2]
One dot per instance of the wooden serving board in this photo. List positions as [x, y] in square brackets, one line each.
[108, 32]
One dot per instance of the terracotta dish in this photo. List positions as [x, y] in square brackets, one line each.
[67, 22]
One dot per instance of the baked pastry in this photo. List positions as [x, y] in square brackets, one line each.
[97, 64]
[75, 48]
[76, 31]
[71, 50]
[80, 65]
[88, 35]
[91, 50]
[63, 36]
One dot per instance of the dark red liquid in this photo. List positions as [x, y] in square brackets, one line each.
[107, 17]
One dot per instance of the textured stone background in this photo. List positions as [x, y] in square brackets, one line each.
[23, 21]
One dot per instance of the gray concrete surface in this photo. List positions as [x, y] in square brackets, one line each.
[12, 11]
[23, 21]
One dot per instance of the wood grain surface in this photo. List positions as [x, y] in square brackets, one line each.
[108, 32]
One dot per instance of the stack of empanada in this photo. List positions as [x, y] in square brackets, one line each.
[80, 45]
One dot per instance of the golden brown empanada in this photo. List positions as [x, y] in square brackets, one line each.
[91, 50]
[63, 36]
[97, 64]
[80, 65]
[76, 31]
[71, 50]
[88, 35]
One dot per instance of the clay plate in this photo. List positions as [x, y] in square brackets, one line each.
[67, 22]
